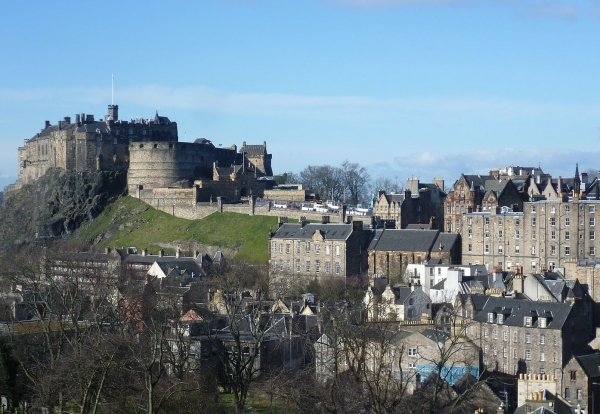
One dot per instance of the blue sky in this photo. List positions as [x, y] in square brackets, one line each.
[406, 88]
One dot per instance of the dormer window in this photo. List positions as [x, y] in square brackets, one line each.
[490, 317]
[500, 318]
[528, 321]
[543, 322]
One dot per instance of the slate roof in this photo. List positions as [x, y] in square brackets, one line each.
[496, 187]
[394, 198]
[47, 131]
[557, 313]
[180, 267]
[332, 231]
[405, 240]
[253, 150]
[92, 127]
[446, 240]
[590, 364]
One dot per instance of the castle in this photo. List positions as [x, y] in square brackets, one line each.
[150, 152]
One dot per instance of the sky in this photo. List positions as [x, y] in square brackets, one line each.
[406, 88]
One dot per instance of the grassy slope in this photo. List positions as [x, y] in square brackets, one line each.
[130, 222]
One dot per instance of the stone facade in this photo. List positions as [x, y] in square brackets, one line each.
[88, 144]
[545, 235]
[302, 252]
[419, 204]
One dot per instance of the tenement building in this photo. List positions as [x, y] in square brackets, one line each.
[302, 252]
[545, 235]
[527, 337]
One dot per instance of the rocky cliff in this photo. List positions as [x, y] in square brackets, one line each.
[56, 205]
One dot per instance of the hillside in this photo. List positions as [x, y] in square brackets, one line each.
[56, 205]
[130, 222]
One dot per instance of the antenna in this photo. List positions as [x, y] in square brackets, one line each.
[112, 98]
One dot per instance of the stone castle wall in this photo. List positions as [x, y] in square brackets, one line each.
[163, 164]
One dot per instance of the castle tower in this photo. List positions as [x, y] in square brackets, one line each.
[113, 112]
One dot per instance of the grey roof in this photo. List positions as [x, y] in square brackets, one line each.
[92, 127]
[332, 231]
[405, 240]
[47, 131]
[253, 150]
[496, 187]
[556, 313]
[590, 364]
[180, 267]
[394, 198]
[446, 240]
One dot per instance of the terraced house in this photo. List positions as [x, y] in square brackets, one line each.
[301, 252]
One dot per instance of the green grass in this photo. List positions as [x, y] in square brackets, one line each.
[131, 222]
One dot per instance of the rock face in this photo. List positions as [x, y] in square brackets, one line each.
[56, 205]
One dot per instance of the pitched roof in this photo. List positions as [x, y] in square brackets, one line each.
[253, 150]
[590, 364]
[331, 231]
[405, 240]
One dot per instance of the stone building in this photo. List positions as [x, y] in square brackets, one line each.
[88, 144]
[392, 250]
[302, 252]
[392, 303]
[420, 203]
[525, 337]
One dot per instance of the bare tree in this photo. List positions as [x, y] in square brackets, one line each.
[355, 179]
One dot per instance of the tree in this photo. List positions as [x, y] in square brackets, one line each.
[355, 179]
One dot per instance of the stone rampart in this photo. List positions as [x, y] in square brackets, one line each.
[163, 164]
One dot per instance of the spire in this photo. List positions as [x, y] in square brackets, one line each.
[472, 186]
[576, 181]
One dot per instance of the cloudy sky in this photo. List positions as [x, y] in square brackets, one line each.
[422, 88]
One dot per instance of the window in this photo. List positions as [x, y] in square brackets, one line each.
[553, 235]
[412, 365]
[274, 265]
[592, 235]
[280, 248]
[517, 222]
[552, 250]
[470, 248]
[567, 235]
[527, 355]
[487, 233]
[517, 234]
[327, 250]
[500, 318]
[307, 268]
[579, 394]
[495, 351]
[533, 249]
[528, 337]
[499, 233]
[449, 208]
[592, 209]
[337, 250]
[567, 209]
[517, 249]
[327, 267]
[499, 221]
[298, 265]
[500, 249]
[533, 266]
[273, 246]
[573, 375]
[470, 233]
[533, 209]
[505, 336]
[487, 221]
[337, 268]
[527, 323]
[592, 250]
[533, 221]
[485, 349]
[485, 333]
[412, 352]
[542, 339]
[288, 266]
[515, 353]
[553, 209]
[470, 220]
[317, 266]
[281, 265]
[567, 250]
[567, 221]
[553, 221]
[307, 247]
[298, 247]
[515, 337]
[567, 393]
[287, 248]
[592, 221]
[487, 249]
